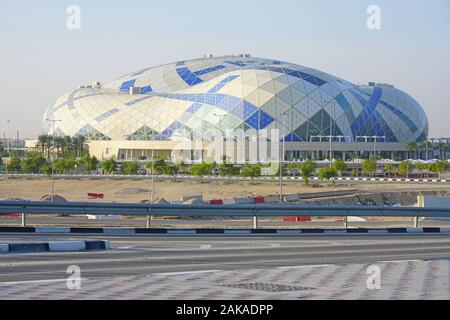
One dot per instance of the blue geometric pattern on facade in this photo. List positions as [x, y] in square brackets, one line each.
[291, 137]
[403, 117]
[188, 77]
[238, 63]
[106, 114]
[244, 110]
[346, 107]
[126, 85]
[192, 78]
[297, 74]
[368, 115]
[222, 83]
[146, 89]
[194, 108]
[259, 120]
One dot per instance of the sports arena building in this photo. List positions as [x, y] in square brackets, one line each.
[165, 108]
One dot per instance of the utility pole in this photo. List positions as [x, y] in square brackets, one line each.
[53, 121]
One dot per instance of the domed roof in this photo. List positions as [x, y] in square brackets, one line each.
[198, 98]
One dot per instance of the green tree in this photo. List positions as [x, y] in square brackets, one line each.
[251, 170]
[62, 165]
[14, 165]
[33, 163]
[201, 169]
[306, 169]
[327, 173]
[390, 169]
[47, 168]
[228, 170]
[172, 169]
[110, 166]
[340, 166]
[440, 167]
[369, 166]
[422, 167]
[354, 172]
[159, 165]
[130, 167]
[87, 163]
[405, 168]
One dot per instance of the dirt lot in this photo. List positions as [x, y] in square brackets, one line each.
[136, 190]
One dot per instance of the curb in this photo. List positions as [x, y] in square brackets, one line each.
[55, 246]
[191, 231]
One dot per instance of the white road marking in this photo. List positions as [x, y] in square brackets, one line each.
[35, 281]
[185, 272]
[306, 266]
[399, 261]
[206, 246]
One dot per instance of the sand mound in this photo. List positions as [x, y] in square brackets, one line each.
[56, 198]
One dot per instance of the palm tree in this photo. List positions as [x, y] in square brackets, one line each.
[411, 146]
[425, 146]
[44, 141]
[441, 146]
[60, 145]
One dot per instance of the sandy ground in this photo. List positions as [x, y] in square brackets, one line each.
[136, 190]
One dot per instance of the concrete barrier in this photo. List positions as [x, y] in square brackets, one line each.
[55, 246]
[291, 197]
[195, 197]
[67, 246]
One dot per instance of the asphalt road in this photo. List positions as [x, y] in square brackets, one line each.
[145, 255]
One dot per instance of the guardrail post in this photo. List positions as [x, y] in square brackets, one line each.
[255, 222]
[345, 222]
[416, 222]
[24, 219]
[149, 221]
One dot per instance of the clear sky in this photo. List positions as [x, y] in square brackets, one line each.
[40, 58]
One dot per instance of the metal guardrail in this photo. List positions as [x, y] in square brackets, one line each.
[254, 210]
[102, 208]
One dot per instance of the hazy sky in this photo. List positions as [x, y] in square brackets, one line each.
[40, 58]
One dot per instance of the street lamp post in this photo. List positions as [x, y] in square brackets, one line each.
[53, 121]
[152, 188]
[8, 143]
[331, 133]
[281, 167]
